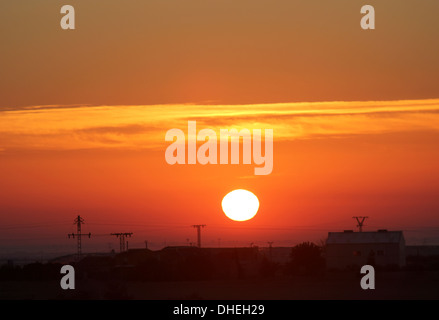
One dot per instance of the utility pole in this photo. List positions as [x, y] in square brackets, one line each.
[199, 226]
[121, 236]
[78, 221]
[360, 221]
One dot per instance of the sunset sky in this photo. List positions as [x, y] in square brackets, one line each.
[84, 113]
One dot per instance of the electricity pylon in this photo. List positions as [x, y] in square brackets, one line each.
[122, 236]
[360, 221]
[199, 226]
[78, 221]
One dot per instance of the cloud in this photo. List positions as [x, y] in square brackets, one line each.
[44, 107]
[130, 129]
[79, 127]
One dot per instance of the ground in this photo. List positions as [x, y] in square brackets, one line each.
[343, 285]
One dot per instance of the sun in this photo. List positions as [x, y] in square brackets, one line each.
[240, 205]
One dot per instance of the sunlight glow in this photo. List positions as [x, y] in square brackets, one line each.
[240, 205]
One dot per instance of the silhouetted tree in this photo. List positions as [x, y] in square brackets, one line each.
[306, 259]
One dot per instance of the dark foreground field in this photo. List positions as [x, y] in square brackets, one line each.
[342, 285]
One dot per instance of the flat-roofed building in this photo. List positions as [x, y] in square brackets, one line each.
[380, 248]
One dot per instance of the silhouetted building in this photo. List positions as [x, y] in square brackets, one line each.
[352, 249]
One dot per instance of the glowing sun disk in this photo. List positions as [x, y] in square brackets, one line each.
[240, 205]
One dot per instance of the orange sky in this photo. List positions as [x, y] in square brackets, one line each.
[331, 161]
[84, 113]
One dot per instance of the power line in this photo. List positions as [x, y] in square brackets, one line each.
[121, 236]
[360, 221]
[78, 221]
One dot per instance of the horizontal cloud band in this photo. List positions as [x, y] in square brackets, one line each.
[143, 127]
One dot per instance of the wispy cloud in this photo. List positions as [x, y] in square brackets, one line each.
[79, 127]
